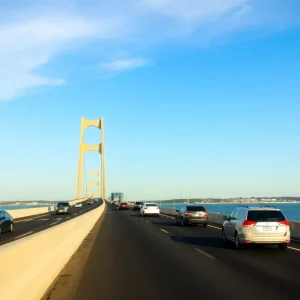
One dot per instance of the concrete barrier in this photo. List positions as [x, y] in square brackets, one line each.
[26, 212]
[218, 219]
[29, 265]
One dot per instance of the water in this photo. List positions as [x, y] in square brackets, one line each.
[8, 207]
[290, 210]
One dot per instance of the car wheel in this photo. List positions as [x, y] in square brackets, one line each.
[283, 247]
[237, 241]
[11, 227]
[0, 230]
[158, 216]
[205, 225]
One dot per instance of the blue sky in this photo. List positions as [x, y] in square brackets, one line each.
[199, 97]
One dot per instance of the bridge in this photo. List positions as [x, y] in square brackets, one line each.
[99, 252]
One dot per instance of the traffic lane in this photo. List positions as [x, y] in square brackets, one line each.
[32, 225]
[276, 269]
[131, 259]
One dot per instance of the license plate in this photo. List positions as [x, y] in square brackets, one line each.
[197, 215]
[268, 228]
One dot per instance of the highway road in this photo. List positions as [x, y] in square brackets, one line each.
[130, 257]
[30, 225]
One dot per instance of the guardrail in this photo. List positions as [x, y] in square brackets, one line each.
[29, 265]
[218, 219]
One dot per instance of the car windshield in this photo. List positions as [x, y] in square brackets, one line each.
[138, 203]
[62, 204]
[151, 204]
[265, 215]
[195, 208]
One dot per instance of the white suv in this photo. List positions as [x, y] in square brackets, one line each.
[150, 209]
[261, 225]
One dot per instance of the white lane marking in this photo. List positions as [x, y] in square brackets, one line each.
[296, 249]
[75, 214]
[204, 253]
[23, 235]
[67, 218]
[142, 219]
[164, 231]
[58, 219]
[214, 227]
[167, 216]
[147, 221]
[54, 223]
[43, 219]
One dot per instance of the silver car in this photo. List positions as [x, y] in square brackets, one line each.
[260, 225]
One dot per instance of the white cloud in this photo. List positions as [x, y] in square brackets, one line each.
[33, 32]
[125, 64]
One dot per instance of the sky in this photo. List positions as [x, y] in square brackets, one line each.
[200, 97]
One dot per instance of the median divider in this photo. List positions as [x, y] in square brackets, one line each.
[29, 265]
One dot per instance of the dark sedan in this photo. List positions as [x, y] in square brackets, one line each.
[137, 205]
[191, 214]
[63, 208]
[6, 222]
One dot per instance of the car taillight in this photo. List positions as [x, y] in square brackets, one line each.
[284, 223]
[248, 223]
[206, 213]
[187, 213]
[145, 207]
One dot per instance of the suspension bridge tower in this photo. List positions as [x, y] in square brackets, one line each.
[83, 148]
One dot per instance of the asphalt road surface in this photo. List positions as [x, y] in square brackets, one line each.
[131, 257]
[30, 225]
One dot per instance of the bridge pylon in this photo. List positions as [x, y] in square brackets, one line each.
[92, 183]
[83, 148]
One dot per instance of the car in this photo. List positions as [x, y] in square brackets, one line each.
[191, 215]
[63, 208]
[90, 201]
[257, 225]
[123, 205]
[77, 205]
[150, 209]
[137, 205]
[6, 222]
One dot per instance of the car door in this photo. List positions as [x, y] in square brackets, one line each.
[235, 220]
[228, 225]
[7, 220]
[4, 222]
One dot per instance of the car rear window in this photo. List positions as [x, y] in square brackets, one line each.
[139, 203]
[151, 204]
[195, 208]
[123, 203]
[63, 204]
[265, 215]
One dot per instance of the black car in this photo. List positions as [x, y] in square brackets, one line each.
[191, 214]
[137, 205]
[63, 208]
[6, 222]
